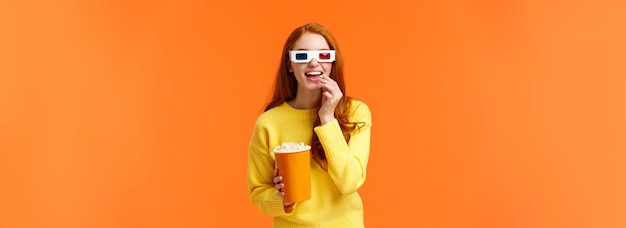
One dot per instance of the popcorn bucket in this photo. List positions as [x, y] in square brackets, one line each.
[295, 167]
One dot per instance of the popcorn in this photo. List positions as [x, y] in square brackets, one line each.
[291, 147]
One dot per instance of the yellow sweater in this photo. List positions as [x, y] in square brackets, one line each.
[334, 183]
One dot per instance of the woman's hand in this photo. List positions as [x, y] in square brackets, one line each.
[331, 95]
[279, 186]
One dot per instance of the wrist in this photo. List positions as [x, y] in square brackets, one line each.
[326, 119]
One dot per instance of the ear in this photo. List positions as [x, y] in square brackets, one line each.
[290, 68]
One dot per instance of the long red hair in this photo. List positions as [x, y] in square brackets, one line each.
[285, 85]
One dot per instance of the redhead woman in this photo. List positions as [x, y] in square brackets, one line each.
[309, 104]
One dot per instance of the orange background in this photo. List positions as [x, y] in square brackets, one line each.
[486, 113]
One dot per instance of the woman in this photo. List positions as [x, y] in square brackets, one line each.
[308, 105]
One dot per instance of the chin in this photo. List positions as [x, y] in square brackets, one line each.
[314, 87]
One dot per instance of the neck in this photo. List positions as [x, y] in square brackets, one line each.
[306, 99]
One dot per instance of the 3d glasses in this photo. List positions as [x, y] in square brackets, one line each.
[305, 56]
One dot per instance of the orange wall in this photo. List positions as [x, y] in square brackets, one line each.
[486, 113]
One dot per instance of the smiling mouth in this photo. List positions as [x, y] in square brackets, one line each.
[313, 73]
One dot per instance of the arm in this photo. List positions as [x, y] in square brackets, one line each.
[261, 174]
[347, 162]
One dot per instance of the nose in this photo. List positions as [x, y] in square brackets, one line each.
[313, 63]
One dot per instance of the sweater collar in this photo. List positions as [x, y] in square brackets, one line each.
[298, 113]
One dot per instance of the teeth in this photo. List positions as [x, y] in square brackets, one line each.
[313, 73]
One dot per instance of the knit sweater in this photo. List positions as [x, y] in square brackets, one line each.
[334, 183]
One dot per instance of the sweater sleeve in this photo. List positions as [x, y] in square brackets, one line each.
[260, 175]
[347, 162]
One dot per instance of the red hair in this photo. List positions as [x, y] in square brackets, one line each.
[285, 85]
